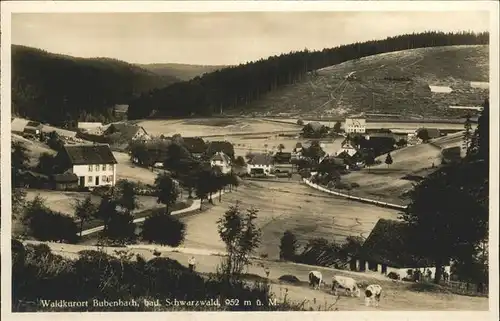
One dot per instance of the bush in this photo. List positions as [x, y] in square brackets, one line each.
[300, 122]
[289, 279]
[163, 229]
[393, 276]
[354, 185]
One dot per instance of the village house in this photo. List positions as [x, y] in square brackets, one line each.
[260, 163]
[120, 111]
[127, 132]
[386, 250]
[33, 128]
[347, 147]
[355, 124]
[66, 181]
[222, 161]
[94, 165]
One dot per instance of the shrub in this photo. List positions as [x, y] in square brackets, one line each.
[289, 279]
[163, 229]
[393, 276]
[354, 185]
[300, 122]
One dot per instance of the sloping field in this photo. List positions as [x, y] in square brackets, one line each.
[397, 296]
[396, 82]
[18, 124]
[214, 126]
[385, 182]
[35, 148]
[287, 206]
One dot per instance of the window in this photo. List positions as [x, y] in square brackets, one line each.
[110, 167]
[104, 179]
[110, 178]
[90, 168]
[89, 179]
[96, 168]
[103, 167]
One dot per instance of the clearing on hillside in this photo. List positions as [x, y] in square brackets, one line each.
[395, 82]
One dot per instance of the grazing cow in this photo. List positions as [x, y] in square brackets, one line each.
[315, 279]
[372, 294]
[348, 284]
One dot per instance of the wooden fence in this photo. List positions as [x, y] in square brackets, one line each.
[467, 288]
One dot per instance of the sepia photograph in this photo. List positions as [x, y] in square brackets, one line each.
[211, 159]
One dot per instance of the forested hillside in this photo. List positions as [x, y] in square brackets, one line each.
[235, 88]
[181, 71]
[56, 88]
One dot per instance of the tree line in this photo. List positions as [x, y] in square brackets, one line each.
[235, 87]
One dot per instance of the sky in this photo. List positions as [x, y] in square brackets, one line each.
[221, 38]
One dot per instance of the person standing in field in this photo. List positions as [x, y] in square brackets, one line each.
[191, 263]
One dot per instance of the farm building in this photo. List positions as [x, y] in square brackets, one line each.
[260, 163]
[355, 124]
[120, 111]
[33, 128]
[386, 250]
[94, 165]
[127, 132]
[222, 161]
[65, 181]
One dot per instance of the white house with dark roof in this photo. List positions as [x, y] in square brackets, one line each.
[261, 162]
[94, 165]
[221, 160]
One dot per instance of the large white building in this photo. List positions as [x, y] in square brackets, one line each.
[94, 165]
[355, 124]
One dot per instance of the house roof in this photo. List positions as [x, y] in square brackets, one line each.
[261, 159]
[388, 244]
[333, 160]
[127, 131]
[315, 125]
[220, 156]
[33, 124]
[90, 154]
[195, 145]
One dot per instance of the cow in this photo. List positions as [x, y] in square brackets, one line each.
[348, 284]
[315, 279]
[372, 294]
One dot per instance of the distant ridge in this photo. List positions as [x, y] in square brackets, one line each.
[181, 71]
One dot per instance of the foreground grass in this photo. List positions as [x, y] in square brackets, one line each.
[96, 281]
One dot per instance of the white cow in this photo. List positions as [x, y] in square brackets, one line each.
[372, 294]
[315, 279]
[348, 284]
